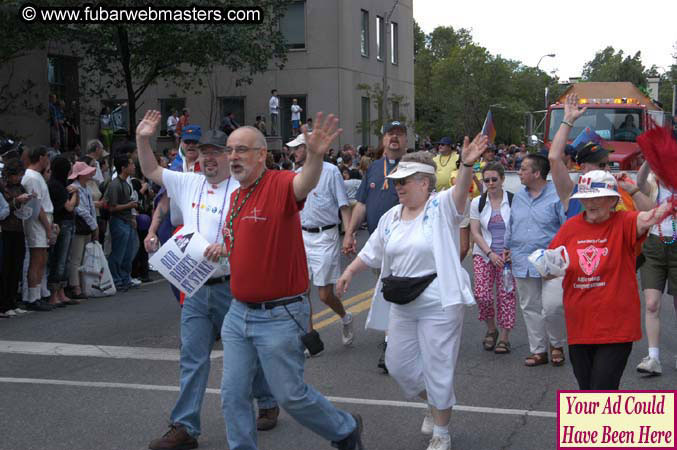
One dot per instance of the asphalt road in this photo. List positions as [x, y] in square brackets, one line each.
[113, 381]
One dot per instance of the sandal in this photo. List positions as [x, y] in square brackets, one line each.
[490, 340]
[557, 356]
[537, 359]
[502, 347]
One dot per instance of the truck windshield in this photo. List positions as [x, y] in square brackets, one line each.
[612, 124]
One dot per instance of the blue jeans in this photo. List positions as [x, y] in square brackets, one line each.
[58, 255]
[123, 237]
[201, 319]
[272, 339]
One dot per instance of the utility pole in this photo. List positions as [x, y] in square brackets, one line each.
[385, 45]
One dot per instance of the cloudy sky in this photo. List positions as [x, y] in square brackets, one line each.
[574, 30]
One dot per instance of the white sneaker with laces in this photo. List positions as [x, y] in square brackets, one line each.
[347, 334]
[136, 282]
[650, 365]
[428, 423]
[440, 443]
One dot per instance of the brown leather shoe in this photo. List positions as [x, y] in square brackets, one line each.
[267, 418]
[177, 438]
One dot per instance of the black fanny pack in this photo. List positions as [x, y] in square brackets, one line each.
[403, 290]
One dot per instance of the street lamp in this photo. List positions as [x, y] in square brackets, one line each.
[549, 55]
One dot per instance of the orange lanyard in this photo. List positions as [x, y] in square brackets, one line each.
[385, 173]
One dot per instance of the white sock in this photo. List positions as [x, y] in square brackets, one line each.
[440, 431]
[347, 318]
[33, 294]
[654, 353]
[386, 339]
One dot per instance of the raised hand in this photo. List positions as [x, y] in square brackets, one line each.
[572, 110]
[473, 150]
[324, 133]
[150, 124]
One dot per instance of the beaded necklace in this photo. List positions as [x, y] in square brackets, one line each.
[674, 226]
[235, 211]
[223, 207]
[446, 163]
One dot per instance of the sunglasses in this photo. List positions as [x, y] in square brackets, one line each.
[491, 180]
[603, 165]
[403, 181]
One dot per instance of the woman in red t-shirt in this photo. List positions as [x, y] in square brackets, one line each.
[601, 296]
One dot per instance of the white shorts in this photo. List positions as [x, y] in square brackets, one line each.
[323, 252]
[36, 235]
[423, 346]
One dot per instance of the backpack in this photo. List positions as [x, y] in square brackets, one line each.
[483, 200]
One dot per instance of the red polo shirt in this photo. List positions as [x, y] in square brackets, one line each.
[268, 260]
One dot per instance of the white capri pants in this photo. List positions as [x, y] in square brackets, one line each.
[423, 346]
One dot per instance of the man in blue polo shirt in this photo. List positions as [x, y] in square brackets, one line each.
[376, 194]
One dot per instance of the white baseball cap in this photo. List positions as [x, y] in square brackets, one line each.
[597, 183]
[300, 140]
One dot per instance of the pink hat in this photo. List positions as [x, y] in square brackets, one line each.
[81, 168]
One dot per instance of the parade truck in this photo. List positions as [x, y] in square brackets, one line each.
[617, 111]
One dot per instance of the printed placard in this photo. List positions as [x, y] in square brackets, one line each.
[181, 261]
[615, 419]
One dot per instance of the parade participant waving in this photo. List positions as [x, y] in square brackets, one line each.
[265, 324]
[416, 247]
[204, 201]
[601, 297]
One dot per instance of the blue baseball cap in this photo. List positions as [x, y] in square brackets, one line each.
[191, 133]
[446, 140]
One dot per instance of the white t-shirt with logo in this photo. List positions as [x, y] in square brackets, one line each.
[34, 183]
[204, 206]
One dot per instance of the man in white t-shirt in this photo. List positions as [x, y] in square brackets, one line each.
[319, 223]
[172, 121]
[204, 200]
[295, 117]
[38, 229]
[274, 108]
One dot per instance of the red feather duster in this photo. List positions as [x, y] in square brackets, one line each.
[659, 147]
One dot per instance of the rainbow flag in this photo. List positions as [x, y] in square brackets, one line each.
[488, 128]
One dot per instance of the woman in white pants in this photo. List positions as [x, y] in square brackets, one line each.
[416, 247]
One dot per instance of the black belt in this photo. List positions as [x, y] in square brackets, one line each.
[217, 280]
[317, 230]
[273, 304]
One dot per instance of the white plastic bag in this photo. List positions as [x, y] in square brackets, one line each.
[96, 277]
[550, 262]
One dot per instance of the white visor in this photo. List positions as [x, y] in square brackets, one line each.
[407, 168]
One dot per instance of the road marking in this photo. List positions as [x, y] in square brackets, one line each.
[97, 351]
[348, 400]
[346, 303]
[356, 309]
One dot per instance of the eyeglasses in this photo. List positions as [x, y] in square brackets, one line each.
[491, 180]
[603, 165]
[240, 150]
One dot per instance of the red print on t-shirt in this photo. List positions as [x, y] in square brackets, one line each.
[589, 258]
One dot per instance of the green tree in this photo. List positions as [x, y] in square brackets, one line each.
[609, 65]
[375, 94]
[134, 57]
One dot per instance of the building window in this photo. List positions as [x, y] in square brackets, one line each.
[167, 106]
[393, 43]
[396, 110]
[55, 76]
[380, 38]
[234, 105]
[364, 35]
[293, 25]
[365, 128]
[119, 114]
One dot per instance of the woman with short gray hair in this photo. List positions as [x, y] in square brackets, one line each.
[424, 286]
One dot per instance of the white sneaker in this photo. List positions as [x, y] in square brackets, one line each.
[650, 365]
[10, 313]
[440, 443]
[428, 423]
[20, 311]
[136, 282]
[347, 334]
